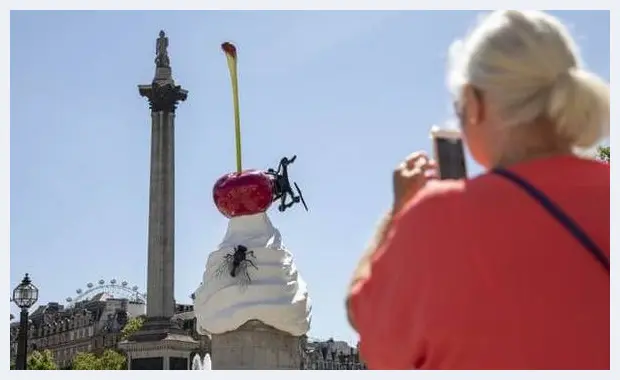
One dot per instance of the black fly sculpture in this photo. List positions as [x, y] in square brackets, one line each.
[282, 186]
[236, 263]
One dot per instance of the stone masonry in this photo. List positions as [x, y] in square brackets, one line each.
[255, 345]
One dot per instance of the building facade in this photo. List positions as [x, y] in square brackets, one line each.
[330, 355]
[95, 320]
[92, 325]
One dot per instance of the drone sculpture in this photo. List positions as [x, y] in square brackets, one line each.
[282, 186]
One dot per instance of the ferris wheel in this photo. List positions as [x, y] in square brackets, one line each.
[112, 287]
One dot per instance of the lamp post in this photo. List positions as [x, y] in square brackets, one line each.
[24, 296]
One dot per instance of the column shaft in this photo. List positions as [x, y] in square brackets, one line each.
[160, 279]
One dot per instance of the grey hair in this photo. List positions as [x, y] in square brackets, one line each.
[528, 66]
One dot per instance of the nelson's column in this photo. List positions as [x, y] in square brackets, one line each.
[161, 344]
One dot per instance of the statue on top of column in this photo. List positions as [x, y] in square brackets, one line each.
[161, 51]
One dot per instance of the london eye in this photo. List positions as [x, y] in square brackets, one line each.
[120, 290]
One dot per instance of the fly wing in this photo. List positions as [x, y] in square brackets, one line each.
[225, 266]
[246, 269]
[243, 277]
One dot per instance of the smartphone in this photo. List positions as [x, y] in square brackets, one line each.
[449, 153]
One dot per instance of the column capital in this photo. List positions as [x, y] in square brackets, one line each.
[163, 96]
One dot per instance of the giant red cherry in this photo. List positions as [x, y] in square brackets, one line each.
[246, 193]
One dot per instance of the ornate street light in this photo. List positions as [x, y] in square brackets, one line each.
[24, 296]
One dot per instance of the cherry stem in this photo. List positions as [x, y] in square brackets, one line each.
[231, 57]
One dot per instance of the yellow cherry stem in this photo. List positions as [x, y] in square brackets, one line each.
[232, 67]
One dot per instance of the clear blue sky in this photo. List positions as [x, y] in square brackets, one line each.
[351, 93]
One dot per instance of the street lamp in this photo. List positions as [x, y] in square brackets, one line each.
[24, 296]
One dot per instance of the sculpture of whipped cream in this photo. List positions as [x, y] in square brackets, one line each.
[269, 290]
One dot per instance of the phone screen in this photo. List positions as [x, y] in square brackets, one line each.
[450, 156]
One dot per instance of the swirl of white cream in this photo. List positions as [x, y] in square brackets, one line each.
[275, 294]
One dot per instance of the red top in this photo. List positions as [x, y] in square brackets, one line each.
[477, 275]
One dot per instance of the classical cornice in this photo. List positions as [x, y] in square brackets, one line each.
[166, 344]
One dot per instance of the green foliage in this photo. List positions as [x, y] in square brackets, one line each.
[113, 360]
[132, 325]
[85, 361]
[41, 361]
[604, 154]
[109, 360]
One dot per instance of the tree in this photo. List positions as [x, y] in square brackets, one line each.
[604, 154]
[41, 361]
[85, 361]
[132, 325]
[109, 360]
[112, 360]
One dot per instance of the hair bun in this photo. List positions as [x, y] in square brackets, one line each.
[579, 106]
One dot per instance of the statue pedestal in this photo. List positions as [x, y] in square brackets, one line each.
[159, 345]
[255, 345]
[170, 353]
[163, 74]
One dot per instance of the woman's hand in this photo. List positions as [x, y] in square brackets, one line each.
[410, 176]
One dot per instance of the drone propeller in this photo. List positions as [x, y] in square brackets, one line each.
[301, 196]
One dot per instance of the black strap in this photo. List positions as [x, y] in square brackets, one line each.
[555, 211]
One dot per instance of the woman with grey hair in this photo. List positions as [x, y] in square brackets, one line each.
[508, 270]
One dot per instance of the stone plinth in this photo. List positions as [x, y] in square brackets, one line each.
[170, 353]
[255, 345]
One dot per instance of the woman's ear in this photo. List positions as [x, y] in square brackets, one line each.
[473, 107]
